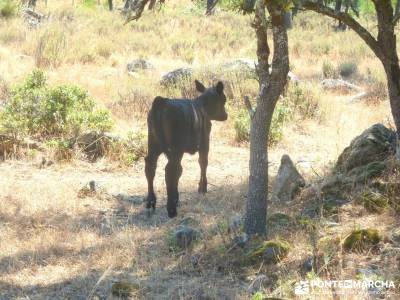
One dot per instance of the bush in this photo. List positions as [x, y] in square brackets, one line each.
[130, 150]
[242, 125]
[302, 100]
[362, 239]
[8, 8]
[347, 69]
[328, 70]
[45, 112]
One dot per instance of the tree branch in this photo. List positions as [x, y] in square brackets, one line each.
[396, 19]
[247, 103]
[346, 19]
[211, 8]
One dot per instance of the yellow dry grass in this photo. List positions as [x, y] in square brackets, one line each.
[56, 245]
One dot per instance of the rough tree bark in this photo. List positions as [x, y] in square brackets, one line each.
[271, 85]
[384, 47]
[397, 10]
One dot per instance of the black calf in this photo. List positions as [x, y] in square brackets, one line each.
[177, 127]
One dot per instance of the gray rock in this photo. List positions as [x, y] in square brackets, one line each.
[396, 235]
[235, 223]
[258, 284]
[288, 181]
[374, 144]
[185, 235]
[174, 77]
[240, 240]
[244, 67]
[92, 144]
[136, 200]
[307, 265]
[138, 64]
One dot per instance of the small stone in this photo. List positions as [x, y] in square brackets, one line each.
[138, 64]
[184, 236]
[396, 235]
[308, 264]
[235, 223]
[136, 200]
[241, 240]
[92, 186]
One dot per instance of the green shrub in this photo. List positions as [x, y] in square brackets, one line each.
[373, 202]
[8, 8]
[361, 239]
[347, 69]
[89, 3]
[130, 150]
[303, 101]
[242, 124]
[328, 70]
[41, 111]
[60, 149]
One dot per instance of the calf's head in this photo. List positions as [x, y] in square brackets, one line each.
[213, 100]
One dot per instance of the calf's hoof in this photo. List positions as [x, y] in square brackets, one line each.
[151, 202]
[172, 213]
[202, 189]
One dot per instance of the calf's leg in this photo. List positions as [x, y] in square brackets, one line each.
[203, 161]
[173, 172]
[150, 170]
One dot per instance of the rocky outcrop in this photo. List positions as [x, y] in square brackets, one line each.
[174, 77]
[375, 144]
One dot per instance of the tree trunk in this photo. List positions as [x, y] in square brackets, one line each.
[271, 87]
[110, 5]
[288, 20]
[390, 60]
[397, 10]
[393, 78]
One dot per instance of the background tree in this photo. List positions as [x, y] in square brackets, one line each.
[383, 45]
[271, 84]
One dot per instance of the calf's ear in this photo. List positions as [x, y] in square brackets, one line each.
[199, 86]
[220, 87]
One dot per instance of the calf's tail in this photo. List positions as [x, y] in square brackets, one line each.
[156, 113]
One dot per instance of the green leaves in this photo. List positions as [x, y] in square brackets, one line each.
[36, 109]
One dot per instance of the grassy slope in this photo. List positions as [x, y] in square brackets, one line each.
[53, 243]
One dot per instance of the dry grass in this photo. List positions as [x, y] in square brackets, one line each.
[56, 245]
